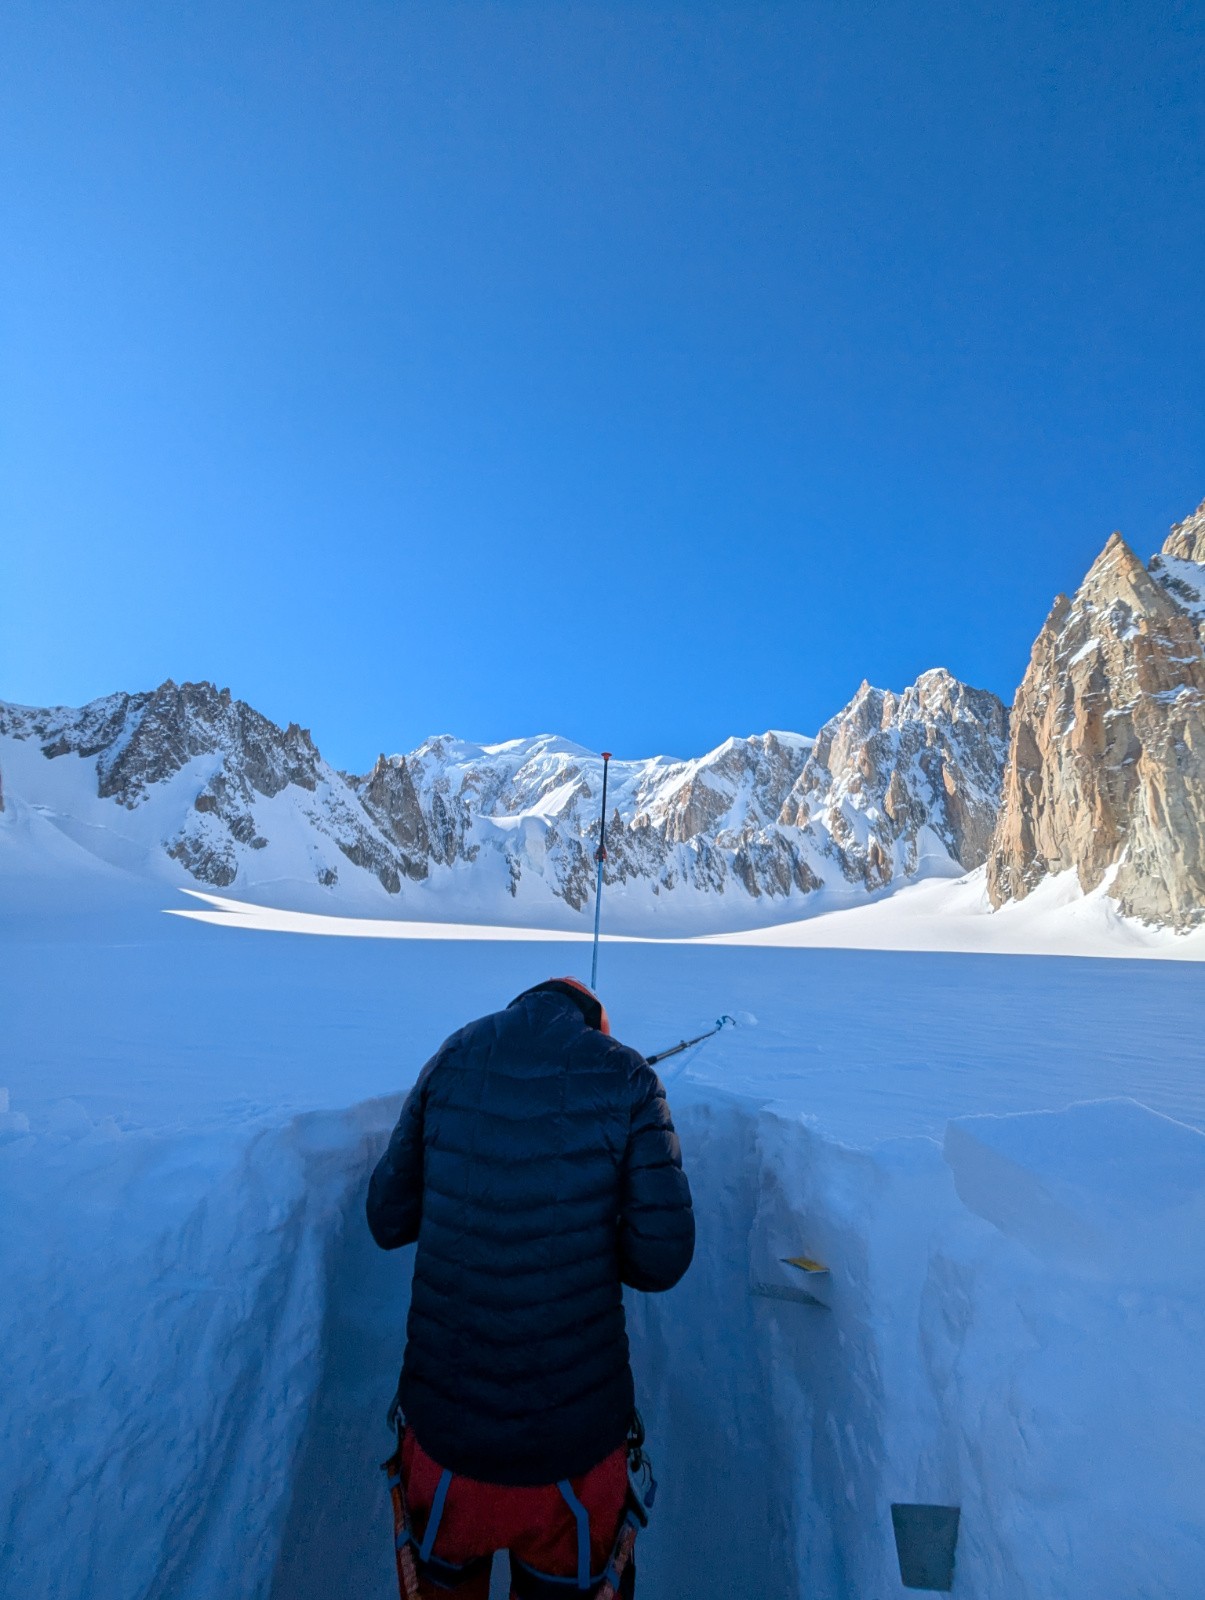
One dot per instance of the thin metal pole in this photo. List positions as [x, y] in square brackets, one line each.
[600, 855]
[677, 1049]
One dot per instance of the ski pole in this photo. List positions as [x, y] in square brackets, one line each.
[600, 855]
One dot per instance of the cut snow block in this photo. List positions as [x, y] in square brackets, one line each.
[1104, 1186]
[925, 1537]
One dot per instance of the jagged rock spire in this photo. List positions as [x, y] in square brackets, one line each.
[1106, 764]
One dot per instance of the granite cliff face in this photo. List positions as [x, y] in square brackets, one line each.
[1186, 541]
[895, 779]
[1106, 768]
[894, 787]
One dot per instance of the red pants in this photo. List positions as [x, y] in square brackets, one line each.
[536, 1525]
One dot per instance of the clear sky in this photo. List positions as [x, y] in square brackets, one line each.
[643, 373]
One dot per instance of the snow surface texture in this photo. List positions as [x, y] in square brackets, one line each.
[1001, 1160]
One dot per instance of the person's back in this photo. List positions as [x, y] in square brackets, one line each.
[536, 1165]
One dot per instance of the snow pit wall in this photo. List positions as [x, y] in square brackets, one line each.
[201, 1339]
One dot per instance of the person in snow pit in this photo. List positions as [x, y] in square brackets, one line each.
[536, 1164]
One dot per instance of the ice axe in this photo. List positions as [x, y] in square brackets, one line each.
[742, 1019]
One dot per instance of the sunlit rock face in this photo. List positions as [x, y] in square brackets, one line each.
[894, 779]
[1106, 768]
[1186, 541]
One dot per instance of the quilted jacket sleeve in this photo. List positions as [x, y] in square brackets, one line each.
[656, 1222]
[395, 1190]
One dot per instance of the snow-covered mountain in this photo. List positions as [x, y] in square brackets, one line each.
[892, 785]
[186, 780]
[1099, 773]
[186, 774]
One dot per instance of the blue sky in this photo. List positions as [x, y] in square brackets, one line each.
[642, 373]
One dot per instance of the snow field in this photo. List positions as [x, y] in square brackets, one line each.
[1055, 1396]
[201, 1336]
[165, 1298]
[201, 1407]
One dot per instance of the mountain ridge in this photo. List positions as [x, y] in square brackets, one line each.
[771, 816]
[1097, 771]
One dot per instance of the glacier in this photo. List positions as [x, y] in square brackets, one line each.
[1000, 1161]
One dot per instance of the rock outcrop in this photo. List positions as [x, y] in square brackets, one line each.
[1186, 541]
[894, 779]
[1106, 767]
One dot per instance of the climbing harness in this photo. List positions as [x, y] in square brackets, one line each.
[414, 1555]
[410, 1553]
[642, 1491]
[530, 1584]
[407, 1573]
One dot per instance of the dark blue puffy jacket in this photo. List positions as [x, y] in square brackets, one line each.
[536, 1164]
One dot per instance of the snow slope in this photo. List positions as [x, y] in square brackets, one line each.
[1002, 1161]
[945, 915]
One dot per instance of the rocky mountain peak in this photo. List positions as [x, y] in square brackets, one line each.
[1180, 568]
[1115, 569]
[1106, 766]
[176, 723]
[1186, 541]
[212, 762]
[893, 777]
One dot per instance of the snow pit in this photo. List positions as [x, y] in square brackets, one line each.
[168, 1333]
[206, 1339]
